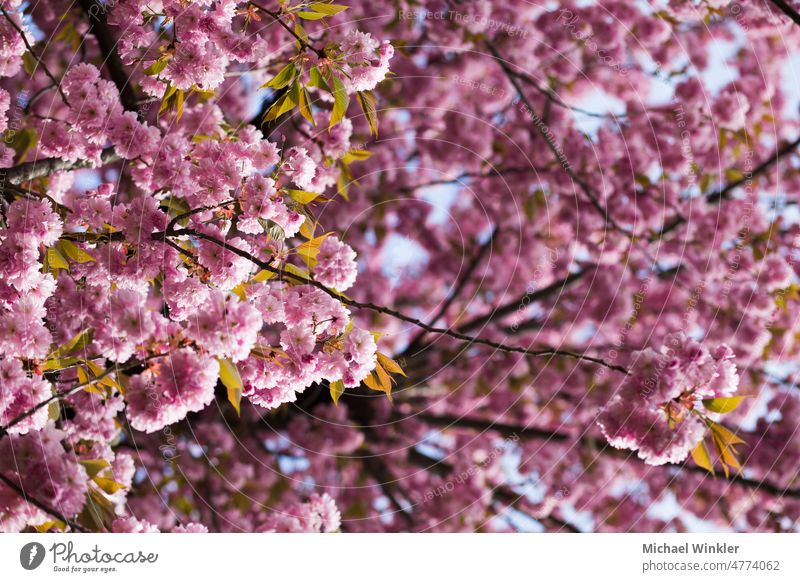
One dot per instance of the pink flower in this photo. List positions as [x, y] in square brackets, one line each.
[225, 327]
[656, 411]
[38, 464]
[183, 383]
[336, 264]
[300, 167]
[18, 394]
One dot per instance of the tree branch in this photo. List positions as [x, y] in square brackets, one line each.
[509, 430]
[36, 56]
[115, 369]
[788, 10]
[725, 192]
[39, 168]
[98, 26]
[42, 505]
[525, 300]
[554, 149]
[549, 352]
[459, 287]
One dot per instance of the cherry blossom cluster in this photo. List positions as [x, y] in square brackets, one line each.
[656, 411]
[230, 229]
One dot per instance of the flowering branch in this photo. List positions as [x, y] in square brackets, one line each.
[75, 526]
[549, 353]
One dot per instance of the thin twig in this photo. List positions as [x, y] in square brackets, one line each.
[115, 369]
[42, 505]
[36, 56]
[163, 236]
[458, 288]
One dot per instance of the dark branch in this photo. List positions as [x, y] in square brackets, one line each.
[98, 26]
[40, 168]
[549, 352]
[602, 447]
[42, 505]
[459, 287]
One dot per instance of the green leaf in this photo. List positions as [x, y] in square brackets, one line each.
[390, 365]
[367, 101]
[356, 155]
[340, 101]
[308, 250]
[327, 9]
[108, 485]
[58, 363]
[48, 525]
[53, 410]
[337, 389]
[305, 106]
[723, 405]
[230, 378]
[316, 80]
[297, 273]
[380, 381]
[179, 105]
[308, 228]
[98, 512]
[74, 252]
[55, 260]
[311, 15]
[29, 63]
[300, 32]
[702, 458]
[21, 141]
[734, 175]
[156, 67]
[166, 100]
[262, 276]
[78, 342]
[283, 78]
[301, 196]
[284, 104]
[94, 466]
[175, 206]
[727, 437]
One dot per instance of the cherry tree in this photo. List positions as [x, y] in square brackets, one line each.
[399, 266]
